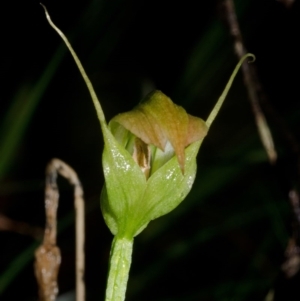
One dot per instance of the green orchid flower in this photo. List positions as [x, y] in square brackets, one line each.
[149, 164]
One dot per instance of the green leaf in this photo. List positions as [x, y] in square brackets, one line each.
[124, 188]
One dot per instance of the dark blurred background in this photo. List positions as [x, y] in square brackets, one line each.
[226, 241]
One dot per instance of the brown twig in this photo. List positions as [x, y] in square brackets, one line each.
[250, 82]
[291, 265]
[48, 256]
[295, 202]
[8, 224]
[256, 92]
[287, 3]
[256, 95]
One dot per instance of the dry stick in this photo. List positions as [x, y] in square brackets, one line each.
[287, 3]
[8, 224]
[248, 72]
[256, 88]
[256, 93]
[295, 202]
[291, 265]
[48, 254]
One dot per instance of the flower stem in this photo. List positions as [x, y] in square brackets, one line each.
[120, 261]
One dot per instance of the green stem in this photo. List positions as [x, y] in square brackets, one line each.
[120, 261]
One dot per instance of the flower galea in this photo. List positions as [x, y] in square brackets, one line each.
[152, 165]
